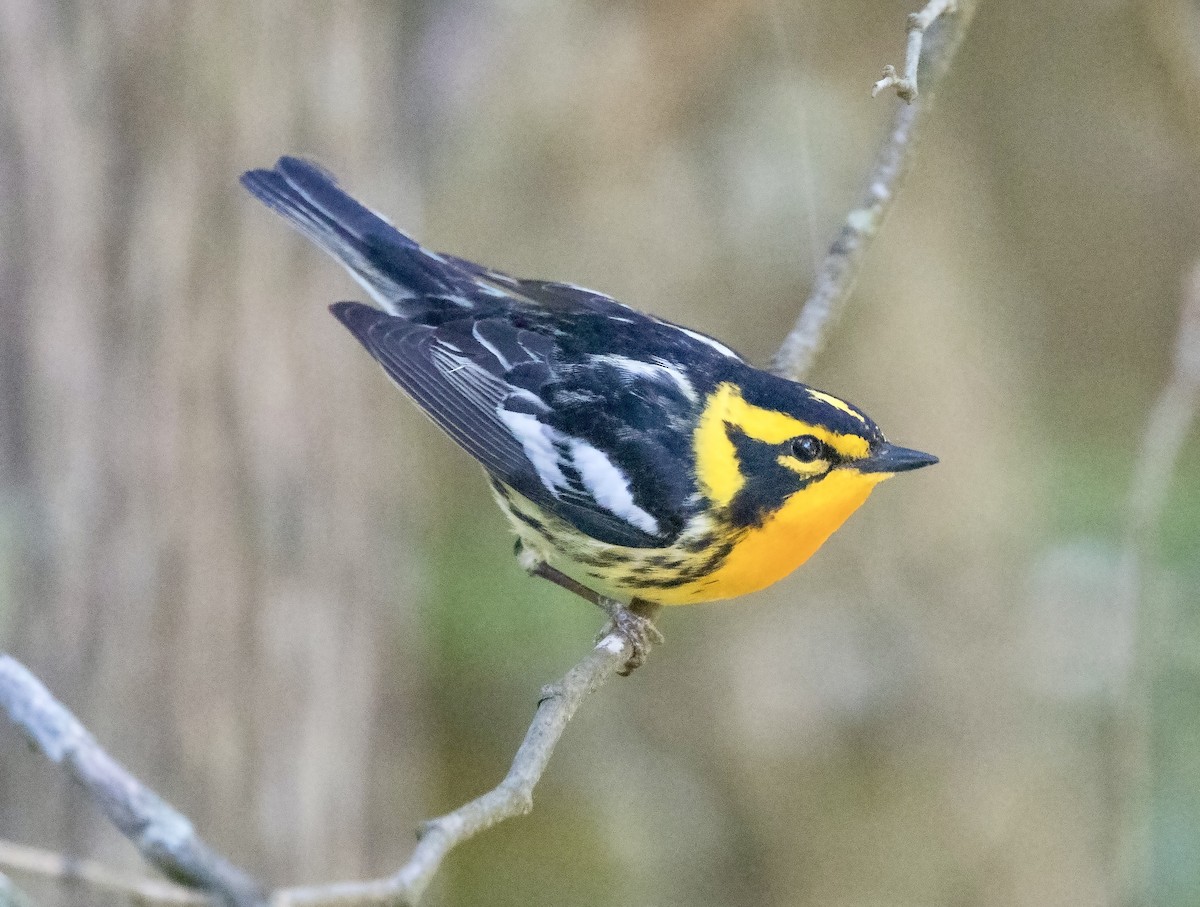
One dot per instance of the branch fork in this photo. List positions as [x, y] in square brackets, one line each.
[918, 24]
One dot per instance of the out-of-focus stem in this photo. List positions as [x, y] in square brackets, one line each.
[839, 269]
[1171, 420]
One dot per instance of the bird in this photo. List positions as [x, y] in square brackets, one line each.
[637, 460]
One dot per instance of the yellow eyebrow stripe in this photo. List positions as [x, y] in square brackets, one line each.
[716, 458]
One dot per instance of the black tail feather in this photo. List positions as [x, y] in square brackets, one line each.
[388, 263]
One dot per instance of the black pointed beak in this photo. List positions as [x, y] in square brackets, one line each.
[890, 458]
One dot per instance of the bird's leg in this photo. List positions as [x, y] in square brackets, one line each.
[635, 621]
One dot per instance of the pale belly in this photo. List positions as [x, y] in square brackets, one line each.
[699, 567]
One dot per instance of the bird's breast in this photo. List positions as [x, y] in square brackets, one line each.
[709, 562]
[764, 555]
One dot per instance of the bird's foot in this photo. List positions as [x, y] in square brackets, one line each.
[637, 630]
[634, 622]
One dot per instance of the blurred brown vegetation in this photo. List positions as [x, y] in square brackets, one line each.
[288, 604]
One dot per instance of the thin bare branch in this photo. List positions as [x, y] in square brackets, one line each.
[1171, 420]
[143, 891]
[161, 834]
[918, 24]
[839, 270]
[1171, 26]
[58, 735]
[512, 797]
[11, 895]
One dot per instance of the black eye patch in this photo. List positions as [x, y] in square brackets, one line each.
[768, 482]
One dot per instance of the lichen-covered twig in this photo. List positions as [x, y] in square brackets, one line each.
[839, 269]
[163, 835]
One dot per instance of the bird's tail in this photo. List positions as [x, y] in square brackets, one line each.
[390, 265]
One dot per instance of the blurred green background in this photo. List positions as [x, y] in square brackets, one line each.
[284, 600]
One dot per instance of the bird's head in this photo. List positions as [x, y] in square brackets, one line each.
[767, 447]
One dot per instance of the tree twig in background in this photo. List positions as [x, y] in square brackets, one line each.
[1171, 420]
[512, 797]
[166, 838]
[918, 24]
[96, 876]
[1171, 26]
[161, 834]
[839, 269]
[143, 817]
[11, 895]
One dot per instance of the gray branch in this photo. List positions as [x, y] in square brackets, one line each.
[918, 24]
[135, 889]
[1171, 420]
[167, 840]
[839, 270]
[512, 797]
[11, 895]
[161, 834]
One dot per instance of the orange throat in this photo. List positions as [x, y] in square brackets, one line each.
[789, 538]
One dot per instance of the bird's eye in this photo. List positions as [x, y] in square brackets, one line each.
[806, 448]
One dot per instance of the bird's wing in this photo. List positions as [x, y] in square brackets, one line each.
[477, 380]
[404, 277]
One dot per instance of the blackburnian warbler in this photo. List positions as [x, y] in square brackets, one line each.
[646, 459]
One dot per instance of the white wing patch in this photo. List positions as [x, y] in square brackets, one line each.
[549, 450]
[659, 370]
[537, 440]
[609, 486]
[569, 468]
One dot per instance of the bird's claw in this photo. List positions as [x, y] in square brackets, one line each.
[638, 632]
